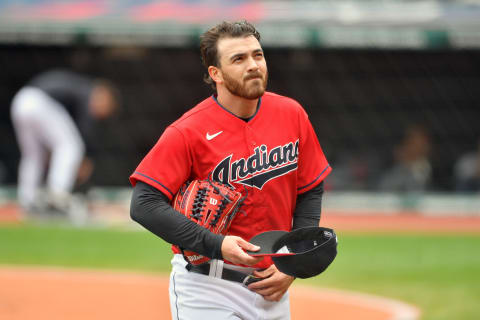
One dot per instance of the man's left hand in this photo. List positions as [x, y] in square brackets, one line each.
[273, 286]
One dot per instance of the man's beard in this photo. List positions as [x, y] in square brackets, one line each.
[254, 90]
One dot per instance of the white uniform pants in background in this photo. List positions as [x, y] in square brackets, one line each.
[43, 127]
[195, 296]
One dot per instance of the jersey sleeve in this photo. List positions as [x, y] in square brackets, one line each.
[167, 165]
[313, 167]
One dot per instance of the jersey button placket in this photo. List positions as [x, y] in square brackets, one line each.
[249, 151]
[250, 139]
[256, 194]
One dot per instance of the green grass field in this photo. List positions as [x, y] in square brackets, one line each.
[438, 272]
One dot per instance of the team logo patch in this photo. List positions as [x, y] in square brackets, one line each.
[259, 168]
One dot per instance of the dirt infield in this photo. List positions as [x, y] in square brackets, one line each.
[49, 293]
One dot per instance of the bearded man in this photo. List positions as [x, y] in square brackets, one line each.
[257, 142]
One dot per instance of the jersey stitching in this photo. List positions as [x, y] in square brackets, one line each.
[186, 145]
[314, 180]
[144, 175]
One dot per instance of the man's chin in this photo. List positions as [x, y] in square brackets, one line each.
[249, 92]
[256, 90]
[254, 94]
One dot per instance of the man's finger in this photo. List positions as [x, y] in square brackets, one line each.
[273, 297]
[248, 246]
[263, 291]
[258, 285]
[249, 260]
[263, 273]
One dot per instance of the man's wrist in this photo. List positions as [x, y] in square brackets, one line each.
[218, 240]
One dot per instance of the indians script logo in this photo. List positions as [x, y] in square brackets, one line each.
[261, 167]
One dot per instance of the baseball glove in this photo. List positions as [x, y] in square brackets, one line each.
[210, 204]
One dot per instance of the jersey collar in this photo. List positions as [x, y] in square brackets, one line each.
[243, 119]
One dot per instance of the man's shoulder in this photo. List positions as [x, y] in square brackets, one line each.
[275, 100]
[195, 115]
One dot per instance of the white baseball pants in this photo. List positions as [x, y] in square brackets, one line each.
[43, 127]
[196, 296]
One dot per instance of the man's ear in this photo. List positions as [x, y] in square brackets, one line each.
[215, 73]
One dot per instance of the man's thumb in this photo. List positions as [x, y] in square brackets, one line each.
[248, 246]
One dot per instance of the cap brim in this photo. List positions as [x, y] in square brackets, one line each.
[315, 248]
[266, 241]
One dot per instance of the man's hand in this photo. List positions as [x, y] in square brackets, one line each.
[273, 286]
[232, 250]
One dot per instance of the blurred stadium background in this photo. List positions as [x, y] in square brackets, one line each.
[365, 71]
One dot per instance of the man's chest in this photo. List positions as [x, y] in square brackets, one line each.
[250, 155]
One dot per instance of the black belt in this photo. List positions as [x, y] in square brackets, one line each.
[227, 274]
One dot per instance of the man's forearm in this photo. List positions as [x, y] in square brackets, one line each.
[308, 208]
[150, 208]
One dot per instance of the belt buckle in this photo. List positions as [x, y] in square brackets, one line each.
[250, 279]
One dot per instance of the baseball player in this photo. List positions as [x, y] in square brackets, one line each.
[258, 142]
[53, 115]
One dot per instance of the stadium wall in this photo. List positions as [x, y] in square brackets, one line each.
[360, 102]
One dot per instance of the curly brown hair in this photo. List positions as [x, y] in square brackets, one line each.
[209, 41]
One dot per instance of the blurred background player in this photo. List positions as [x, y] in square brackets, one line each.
[467, 171]
[412, 169]
[53, 116]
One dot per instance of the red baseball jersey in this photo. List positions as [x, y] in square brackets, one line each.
[274, 157]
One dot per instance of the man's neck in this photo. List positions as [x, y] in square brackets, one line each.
[241, 107]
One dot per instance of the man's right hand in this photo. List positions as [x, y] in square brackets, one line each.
[232, 250]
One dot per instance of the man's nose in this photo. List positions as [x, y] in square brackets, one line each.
[252, 64]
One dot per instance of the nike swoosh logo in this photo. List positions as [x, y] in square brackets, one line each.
[210, 137]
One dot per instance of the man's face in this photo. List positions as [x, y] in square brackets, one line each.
[102, 102]
[242, 66]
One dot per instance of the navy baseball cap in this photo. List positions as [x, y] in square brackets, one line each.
[265, 241]
[302, 253]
